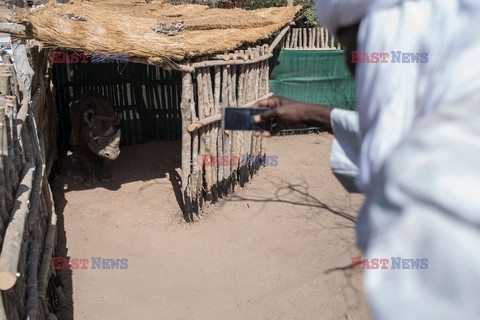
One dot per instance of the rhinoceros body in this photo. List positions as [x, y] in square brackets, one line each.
[95, 137]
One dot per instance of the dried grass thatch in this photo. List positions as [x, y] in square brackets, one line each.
[128, 26]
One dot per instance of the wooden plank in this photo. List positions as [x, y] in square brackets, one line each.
[187, 99]
[213, 63]
[279, 38]
[45, 264]
[14, 234]
[31, 304]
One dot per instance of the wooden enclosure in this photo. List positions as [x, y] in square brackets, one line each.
[28, 151]
[183, 104]
[310, 39]
[161, 98]
[235, 79]
[28, 136]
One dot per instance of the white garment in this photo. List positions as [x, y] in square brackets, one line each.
[426, 204]
[345, 147]
[392, 96]
[419, 152]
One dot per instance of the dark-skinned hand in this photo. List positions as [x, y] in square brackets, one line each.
[289, 114]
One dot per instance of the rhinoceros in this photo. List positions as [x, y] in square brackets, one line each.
[95, 137]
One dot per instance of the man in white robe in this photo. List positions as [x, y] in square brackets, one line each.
[413, 148]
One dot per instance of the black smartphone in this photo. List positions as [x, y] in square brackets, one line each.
[238, 118]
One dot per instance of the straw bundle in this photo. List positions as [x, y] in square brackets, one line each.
[128, 26]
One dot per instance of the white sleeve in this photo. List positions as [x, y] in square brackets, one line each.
[346, 147]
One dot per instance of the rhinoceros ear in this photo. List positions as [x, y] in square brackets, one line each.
[117, 119]
[88, 116]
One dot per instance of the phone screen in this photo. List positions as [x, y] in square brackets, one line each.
[234, 118]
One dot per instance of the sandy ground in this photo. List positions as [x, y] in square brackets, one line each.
[280, 248]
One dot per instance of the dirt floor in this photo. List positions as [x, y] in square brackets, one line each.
[280, 248]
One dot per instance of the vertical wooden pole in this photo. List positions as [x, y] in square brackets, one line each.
[214, 137]
[208, 132]
[241, 135]
[195, 143]
[234, 135]
[258, 94]
[250, 89]
[322, 37]
[202, 96]
[294, 38]
[227, 138]
[4, 211]
[287, 39]
[187, 99]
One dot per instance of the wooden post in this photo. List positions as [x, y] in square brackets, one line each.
[4, 214]
[31, 304]
[249, 88]
[287, 40]
[234, 135]
[255, 96]
[227, 139]
[322, 37]
[305, 38]
[214, 138]
[277, 40]
[10, 254]
[294, 39]
[46, 262]
[187, 99]
[203, 96]
[300, 38]
[195, 143]
[208, 133]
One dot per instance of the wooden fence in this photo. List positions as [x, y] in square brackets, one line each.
[235, 79]
[27, 153]
[310, 39]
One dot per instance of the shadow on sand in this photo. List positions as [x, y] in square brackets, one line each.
[146, 162]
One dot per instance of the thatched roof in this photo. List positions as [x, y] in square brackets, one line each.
[119, 26]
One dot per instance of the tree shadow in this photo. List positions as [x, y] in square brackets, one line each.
[300, 195]
[298, 190]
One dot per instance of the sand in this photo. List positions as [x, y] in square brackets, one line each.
[280, 248]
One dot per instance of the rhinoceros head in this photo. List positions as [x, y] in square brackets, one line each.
[101, 134]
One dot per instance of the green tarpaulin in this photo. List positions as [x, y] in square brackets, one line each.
[318, 76]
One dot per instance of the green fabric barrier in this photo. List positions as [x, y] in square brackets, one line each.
[315, 76]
